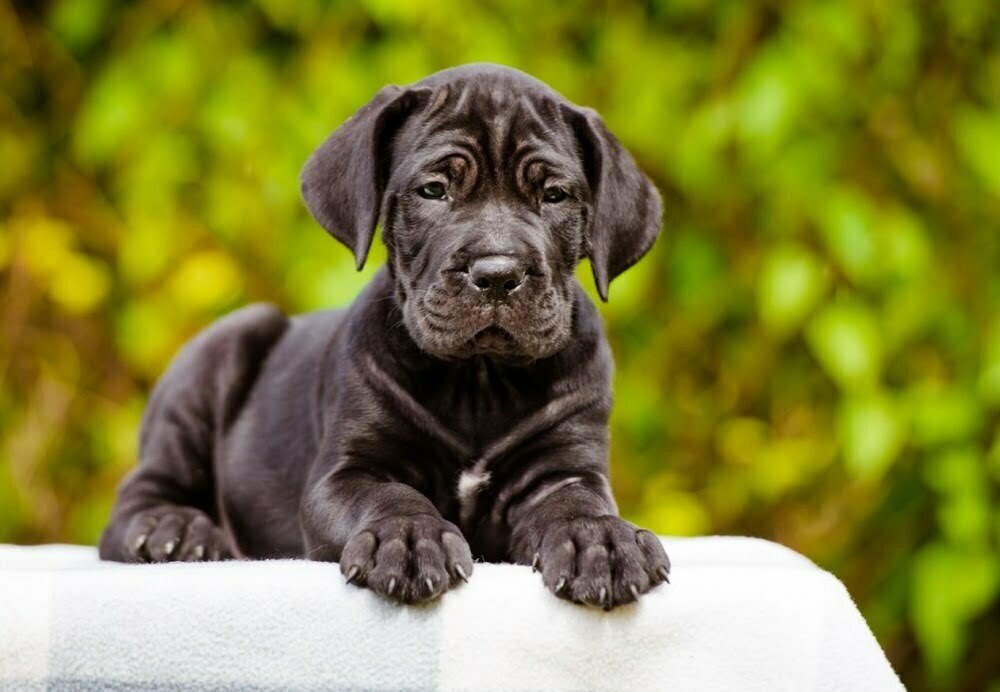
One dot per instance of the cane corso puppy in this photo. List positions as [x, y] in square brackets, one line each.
[460, 406]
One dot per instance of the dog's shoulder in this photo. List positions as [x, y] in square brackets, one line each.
[586, 361]
[588, 327]
[587, 321]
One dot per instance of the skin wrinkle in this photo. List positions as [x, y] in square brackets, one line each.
[409, 405]
[447, 146]
[542, 493]
[553, 412]
[492, 221]
[439, 100]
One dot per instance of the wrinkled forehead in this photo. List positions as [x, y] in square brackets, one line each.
[499, 123]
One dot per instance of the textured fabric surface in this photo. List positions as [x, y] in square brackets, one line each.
[741, 613]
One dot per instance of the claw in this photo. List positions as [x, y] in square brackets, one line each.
[139, 542]
[603, 594]
[634, 590]
[392, 586]
[352, 573]
[169, 546]
[199, 552]
[561, 584]
[430, 584]
[664, 573]
[461, 573]
[534, 562]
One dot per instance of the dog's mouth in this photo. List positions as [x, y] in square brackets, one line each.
[493, 339]
[515, 332]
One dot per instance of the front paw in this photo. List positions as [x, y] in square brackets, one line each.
[601, 561]
[410, 559]
[169, 533]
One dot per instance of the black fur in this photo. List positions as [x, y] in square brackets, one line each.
[343, 435]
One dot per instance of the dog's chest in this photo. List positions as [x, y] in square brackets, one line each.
[479, 406]
[481, 401]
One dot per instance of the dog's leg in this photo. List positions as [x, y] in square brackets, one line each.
[165, 508]
[387, 536]
[563, 520]
[584, 550]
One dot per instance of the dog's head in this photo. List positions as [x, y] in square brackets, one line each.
[491, 188]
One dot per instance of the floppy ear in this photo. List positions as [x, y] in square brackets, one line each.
[628, 210]
[344, 180]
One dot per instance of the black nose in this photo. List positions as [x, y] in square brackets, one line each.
[498, 275]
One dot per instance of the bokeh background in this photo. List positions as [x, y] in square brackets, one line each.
[811, 353]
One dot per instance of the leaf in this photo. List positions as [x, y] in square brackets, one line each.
[906, 248]
[943, 413]
[989, 374]
[846, 339]
[791, 284]
[978, 136]
[872, 431]
[950, 586]
[205, 281]
[768, 100]
[847, 221]
[81, 284]
[78, 22]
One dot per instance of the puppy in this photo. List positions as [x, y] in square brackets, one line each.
[460, 406]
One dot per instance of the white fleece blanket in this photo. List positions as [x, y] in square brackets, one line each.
[741, 614]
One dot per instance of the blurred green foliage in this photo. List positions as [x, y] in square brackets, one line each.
[810, 354]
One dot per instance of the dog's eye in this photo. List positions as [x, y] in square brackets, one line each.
[554, 194]
[432, 191]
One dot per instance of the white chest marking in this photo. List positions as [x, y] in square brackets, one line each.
[470, 483]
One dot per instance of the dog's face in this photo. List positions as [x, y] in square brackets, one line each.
[491, 188]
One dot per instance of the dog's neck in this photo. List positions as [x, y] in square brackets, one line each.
[477, 407]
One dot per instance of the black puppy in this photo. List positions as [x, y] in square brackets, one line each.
[459, 407]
